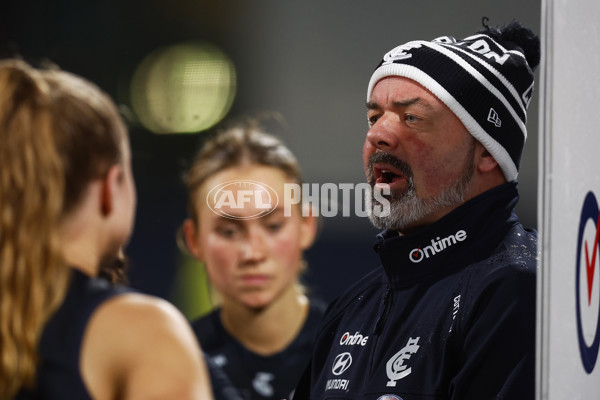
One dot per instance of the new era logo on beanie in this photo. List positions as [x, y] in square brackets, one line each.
[485, 79]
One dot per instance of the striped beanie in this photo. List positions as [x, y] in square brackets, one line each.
[485, 79]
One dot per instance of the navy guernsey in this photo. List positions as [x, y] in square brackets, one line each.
[258, 377]
[449, 315]
[58, 376]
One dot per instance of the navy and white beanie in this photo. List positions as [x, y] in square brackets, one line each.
[485, 79]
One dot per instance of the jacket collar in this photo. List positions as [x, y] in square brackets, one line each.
[467, 234]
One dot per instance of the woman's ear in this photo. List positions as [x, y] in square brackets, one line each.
[110, 189]
[190, 234]
[308, 228]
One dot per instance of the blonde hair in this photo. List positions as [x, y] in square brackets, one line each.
[57, 133]
[236, 143]
[241, 143]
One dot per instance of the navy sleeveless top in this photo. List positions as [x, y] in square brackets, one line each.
[58, 376]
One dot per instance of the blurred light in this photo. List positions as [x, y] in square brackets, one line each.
[183, 88]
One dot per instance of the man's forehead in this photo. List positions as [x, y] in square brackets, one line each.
[400, 92]
[400, 83]
[402, 102]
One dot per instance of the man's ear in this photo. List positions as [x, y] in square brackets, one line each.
[484, 161]
[109, 189]
[190, 235]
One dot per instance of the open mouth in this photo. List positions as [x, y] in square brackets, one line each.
[387, 175]
[388, 172]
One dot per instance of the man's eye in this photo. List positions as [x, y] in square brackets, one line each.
[411, 118]
[373, 119]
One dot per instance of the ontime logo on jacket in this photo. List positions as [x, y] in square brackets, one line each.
[437, 245]
[587, 283]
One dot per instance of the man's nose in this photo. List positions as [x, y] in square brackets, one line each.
[383, 134]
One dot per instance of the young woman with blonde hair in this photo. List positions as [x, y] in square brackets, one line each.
[67, 202]
[263, 328]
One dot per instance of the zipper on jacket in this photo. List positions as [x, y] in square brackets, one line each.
[387, 300]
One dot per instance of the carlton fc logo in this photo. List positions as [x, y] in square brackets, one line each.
[400, 52]
[396, 368]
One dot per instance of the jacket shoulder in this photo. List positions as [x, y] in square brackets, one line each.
[518, 253]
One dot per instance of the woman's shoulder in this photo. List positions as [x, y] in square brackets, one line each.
[138, 323]
[140, 336]
[102, 306]
[133, 308]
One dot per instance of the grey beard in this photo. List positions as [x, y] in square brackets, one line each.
[407, 208]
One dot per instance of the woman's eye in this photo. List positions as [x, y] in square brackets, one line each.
[274, 226]
[228, 232]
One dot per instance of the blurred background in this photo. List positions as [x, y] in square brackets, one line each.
[179, 67]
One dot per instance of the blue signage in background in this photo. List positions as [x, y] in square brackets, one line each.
[589, 250]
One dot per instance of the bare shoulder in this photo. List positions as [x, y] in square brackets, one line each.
[139, 346]
[137, 311]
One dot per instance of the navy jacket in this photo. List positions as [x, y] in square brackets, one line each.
[449, 315]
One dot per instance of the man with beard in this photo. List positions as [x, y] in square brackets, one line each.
[451, 312]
